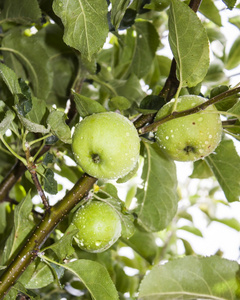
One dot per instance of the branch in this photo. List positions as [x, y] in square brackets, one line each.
[51, 218]
[196, 109]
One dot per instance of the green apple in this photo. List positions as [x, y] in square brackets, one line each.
[99, 226]
[106, 145]
[191, 137]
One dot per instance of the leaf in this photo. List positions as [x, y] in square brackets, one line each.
[146, 43]
[118, 10]
[22, 226]
[56, 120]
[233, 58]
[192, 230]
[189, 43]
[192, 278]
[37, 275]
[10, 78]
[86, 106]
[235, 110]
[25, 13]
[235, 21]
[157, 199]
[7, 120]
[95, 277]
[232, 223]
[63, 247]
[85, 24]
[31, 126]
[119, 103]
[158, 5]
[38, 111]
[225, 164]
[139, 238]
[210, 11]
[18, 54]
[230, 3]
[50, 184]
[201, 170]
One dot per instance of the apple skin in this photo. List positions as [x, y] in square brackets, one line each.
[99, 226]
[191, 137]
[106, 145]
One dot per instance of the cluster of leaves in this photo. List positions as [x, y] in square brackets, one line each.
[52, 55]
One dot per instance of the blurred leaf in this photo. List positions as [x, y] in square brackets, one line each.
[119, 103]
[18, 54]
[188, 248]
[215, 34]
[29, 12]
[232, 223]
[137, 241]
[56, 120]
[128, 19]
[86, 106]
[210, 11]
[235, 21]
[190, 278]
[201, 170]
[225, 164]
[118, 10]
[50, 184]
[233, 58]
[151, 104]
[158, 5]
[215, 74]
[85, 24]
[90, 273]
[192, 230]
[230, 3]
[22, 226]
[157, 199]
[10, 78]
[189, 44]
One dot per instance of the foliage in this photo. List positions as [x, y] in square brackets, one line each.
[55, 70]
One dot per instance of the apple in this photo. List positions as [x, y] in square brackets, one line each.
[191, 137]
[106, 145]
[99, 226]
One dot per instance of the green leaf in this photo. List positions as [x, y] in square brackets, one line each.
[192, 278]
[201, 170]
[118, 10]
[157, 199]
[50, 184]
[230, 3]
[38, 111]
[119, 103]
[7, 120]
[25, 12]
[210, 11]
[158, 5]
[86, 106]
[232, 223]
[192, 230]
[225, 164]
[56, 120]
[10, 78]
[63, 247]
[37, 275]
[18, 54]
[95, 277]
[140, 238]
[235, 110]
[31, 126]
[85, 24]
[189, 43]
[235, 21]
[146, 43]
[21, 228]
[233, 58]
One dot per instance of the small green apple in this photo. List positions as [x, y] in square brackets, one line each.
[106, 145]
[191, 137]
[99, 226]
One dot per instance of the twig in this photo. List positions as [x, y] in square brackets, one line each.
[178, 114]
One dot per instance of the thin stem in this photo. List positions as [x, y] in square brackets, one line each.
[40, 139]
[178, 114]
[23, 160]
